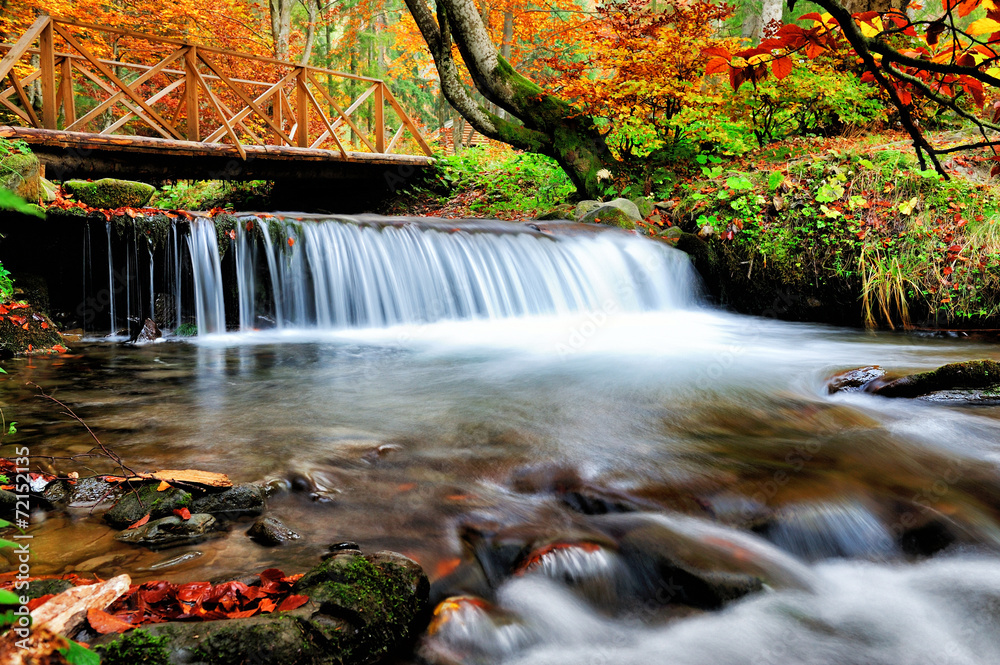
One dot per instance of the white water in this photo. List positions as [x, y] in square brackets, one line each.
[337, 275]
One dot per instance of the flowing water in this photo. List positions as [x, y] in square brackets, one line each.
[409, 384]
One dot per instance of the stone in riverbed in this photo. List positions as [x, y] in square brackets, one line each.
[246, 500]
[619, 212]
[974, 380]
[362, 608]
[854, 380]
[110, 193]
[270, 531]
[134, 505]
[169, 531]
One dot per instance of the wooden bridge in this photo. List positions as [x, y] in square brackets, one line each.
[173, 110]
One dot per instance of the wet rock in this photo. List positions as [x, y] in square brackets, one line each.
[824, 530]
[148, 333]
[270, 531]
[619, 212]
[110, 193]
[467, 629]
[169, 531]
[564, 211]
[644, 206]
[972, 376]
[246, 500]
[854, 380]
[39, 588]
[134, 505]
[8, 504]
[85, 492]
[20, 174]
[362, 608]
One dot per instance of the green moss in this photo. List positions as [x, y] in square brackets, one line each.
[186, 330]
[110, 193]
[969, 375]
[19, 173]
[136, 647]
[16, 339]
[131, 508]
[281, 639]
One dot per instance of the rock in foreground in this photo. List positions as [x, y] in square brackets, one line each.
[972, 380]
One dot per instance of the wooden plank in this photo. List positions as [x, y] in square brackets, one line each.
[50, 104]
[246, 110]
[379, 118]
[208, 49]
[108, 74]
[110, 91]
[15, 110]
[66, 86]
[19, 89]
[193, 477]
[65, 613]
[326, 121]
[191, 94]
[243, 95]
[409, 123]
[346, 115]
[25, 81]
[277, 112]
[222, 116]
[22, 45]
[120, 96]
[302, 109]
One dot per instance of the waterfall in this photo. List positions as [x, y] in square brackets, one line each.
[345, 274]
[206, 265]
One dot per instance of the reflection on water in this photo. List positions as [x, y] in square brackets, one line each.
[396, 437]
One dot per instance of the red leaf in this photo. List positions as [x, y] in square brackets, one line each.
[948, 270]
[966, 7]
[292, 602]
[192, 592]
[140, 522]
[155, 592]
[811, 16]
[267, 606]
[36, 602]
[105, 623]
[975, 88]
[717, 51]
[242, 614]
[717, 66]
[182, 513]
[781, 67]
[934, 31]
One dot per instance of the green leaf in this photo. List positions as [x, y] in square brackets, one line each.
[6, 543]
[12, 429]
[867, 163]
[9, 598]
[11, 201]
[774, 180]
[79, 655]
[738, 183]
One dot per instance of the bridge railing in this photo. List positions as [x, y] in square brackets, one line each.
[189, 92]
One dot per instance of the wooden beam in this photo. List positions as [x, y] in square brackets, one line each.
[409, 123]
[66, 91]
[243, 95]
[135, 97]
[152, 100]
[326, 121]
[50, 104]
[246, 110]
[277, 112]
[222, 116]
[16, 111]
[19, 89]
[22, 45]
[25, 81]
[395, 137]
[345, 115]
[110, 91]
[379, 118]
[302, 109]
[191, 94]
[120, 96]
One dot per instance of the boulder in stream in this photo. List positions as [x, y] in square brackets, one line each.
[270, 531]
[361, 609]
[853, 380]
[110, 193]
[245, 500]
[972, 380]
[146, 500]
[170, 531]
[619, 212]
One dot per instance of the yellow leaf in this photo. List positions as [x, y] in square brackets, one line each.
[163, 486]
[983, 26]
[906, 207]
[871, 29]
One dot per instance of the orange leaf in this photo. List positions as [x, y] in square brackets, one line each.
[291, 241]
[782, 67]
[183, 513]
[267, 605]
[105, 623]
[163, 486]
[717, 66]
[291, 603]
[140, 522]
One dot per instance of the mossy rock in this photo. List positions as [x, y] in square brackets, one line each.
[242, 500]
[110, 193]
[584, 207]
[361, 609]
[644, 206]
[20, 174]
[131, 508]
[39, 336]
[619, 212]
[963, 376]
[564, 211]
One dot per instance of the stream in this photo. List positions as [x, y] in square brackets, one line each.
[523, 382]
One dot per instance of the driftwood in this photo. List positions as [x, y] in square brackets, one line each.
[65, 613]
[181, 477]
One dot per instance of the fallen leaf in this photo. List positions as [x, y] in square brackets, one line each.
[140, 522]
[105, 623]
[292, 602]
[182, 513]
[163, 486]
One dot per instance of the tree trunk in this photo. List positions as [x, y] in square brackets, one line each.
[312, 10]
[770, 13]
[551, 125]
[281, 26]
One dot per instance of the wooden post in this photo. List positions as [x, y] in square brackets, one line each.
[50, 104]
[66, 85]
[377, 100]
[302, 109]
[191, 94]
[277, 112]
